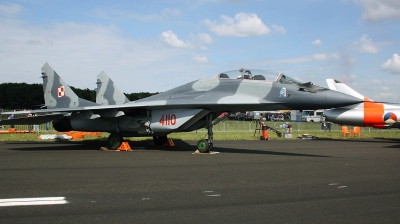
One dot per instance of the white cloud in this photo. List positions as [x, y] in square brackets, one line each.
[317, 42]
[171, 12]
[172, 39]
[392, 65]
[242, 25]
[278, 29]
[334, 56]
[379, 81]
[79, 51]
[378, 10]
[201, 59]
[320, 57]
[204, 38]
[201, 39]
[126, 15]
[9, 10]
[366, 46]
[197, 41]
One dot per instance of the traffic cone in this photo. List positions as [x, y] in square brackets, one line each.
[169, 143]
[124, 147]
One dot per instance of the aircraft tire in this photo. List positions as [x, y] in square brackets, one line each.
[114, 141]
[159, 140]
[203, 146]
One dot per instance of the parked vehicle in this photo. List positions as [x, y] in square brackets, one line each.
[312, 116]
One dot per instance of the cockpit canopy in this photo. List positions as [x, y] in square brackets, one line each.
[255, 74]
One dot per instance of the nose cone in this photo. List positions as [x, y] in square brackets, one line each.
[346, 116]
[332, 115]
[337, 99]
[323, 99]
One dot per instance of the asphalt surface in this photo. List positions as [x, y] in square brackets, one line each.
[303, 181]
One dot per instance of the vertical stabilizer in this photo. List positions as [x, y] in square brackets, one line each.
[107, 93]
[341, 87]
[57, 94]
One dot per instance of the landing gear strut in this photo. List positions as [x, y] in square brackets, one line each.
[114, 141]
[159, 140]
[205, 145]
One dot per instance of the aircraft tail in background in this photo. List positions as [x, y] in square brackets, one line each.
[341, 87]
[57, 94]
[107, 93]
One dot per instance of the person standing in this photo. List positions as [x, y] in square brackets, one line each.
[11, 117]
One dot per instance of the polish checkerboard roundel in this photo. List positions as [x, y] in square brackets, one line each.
[61, 91]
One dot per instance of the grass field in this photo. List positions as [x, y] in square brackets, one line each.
[230, 130]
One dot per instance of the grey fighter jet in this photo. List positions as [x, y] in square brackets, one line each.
[185, 108]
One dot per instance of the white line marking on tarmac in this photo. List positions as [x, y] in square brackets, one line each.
[32, 201]
[341, 186]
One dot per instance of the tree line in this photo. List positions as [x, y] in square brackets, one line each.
[30, 96]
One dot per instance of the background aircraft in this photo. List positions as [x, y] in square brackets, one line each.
[368, 113]
[185, 108]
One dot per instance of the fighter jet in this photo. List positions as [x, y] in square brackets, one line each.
[366, 114]
[185, 108]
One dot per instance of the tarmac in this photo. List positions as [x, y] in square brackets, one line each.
[288, 181]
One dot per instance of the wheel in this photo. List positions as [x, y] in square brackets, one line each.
[114, 141]
[202, 146]
[160, 139]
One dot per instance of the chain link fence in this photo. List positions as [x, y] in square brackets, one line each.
[231, 126]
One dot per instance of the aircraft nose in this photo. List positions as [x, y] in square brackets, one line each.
[337, 99]
[330, 115]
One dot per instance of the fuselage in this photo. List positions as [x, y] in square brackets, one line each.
[367, 114]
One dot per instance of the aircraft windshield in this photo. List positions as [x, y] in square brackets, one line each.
[282, 78]
[255, 74]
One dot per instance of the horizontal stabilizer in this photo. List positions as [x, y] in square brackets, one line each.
[32, 120]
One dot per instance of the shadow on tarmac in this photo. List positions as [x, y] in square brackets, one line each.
[139, 145]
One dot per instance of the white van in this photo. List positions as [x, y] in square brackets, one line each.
[312, 116]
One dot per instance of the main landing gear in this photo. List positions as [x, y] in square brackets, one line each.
[160, 140]
[114, 141]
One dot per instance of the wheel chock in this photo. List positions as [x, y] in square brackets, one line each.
[124, 147]
[169, 143]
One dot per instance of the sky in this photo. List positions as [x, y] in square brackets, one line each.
[153, 46]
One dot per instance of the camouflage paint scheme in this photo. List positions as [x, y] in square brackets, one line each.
[185, 108]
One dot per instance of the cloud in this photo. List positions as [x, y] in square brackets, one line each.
[124, 15]
[242, 25]
[10, 10]
[366, 46]
[392, 65]
[278, 29]
[379, 10]
[320, 57]
[197, 41]
[317, 42]
[172, 39]
[204, 38]
[201, 59]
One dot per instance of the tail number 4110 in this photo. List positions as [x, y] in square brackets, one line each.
[168, 119]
